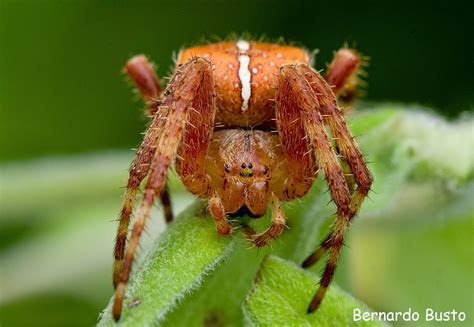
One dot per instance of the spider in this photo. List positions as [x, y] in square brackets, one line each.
[245, 124]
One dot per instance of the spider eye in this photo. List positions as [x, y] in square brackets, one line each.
[227, 168]
[244, 165]
[251, 174]
[242, 174]
[250, 166]
[265, 170]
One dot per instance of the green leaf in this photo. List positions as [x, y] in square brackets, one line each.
[218, 302]
[185, 254]
[393, 141]
[281, 294]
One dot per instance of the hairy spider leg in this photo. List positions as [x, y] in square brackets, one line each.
[295, 92]
[191, 158]
[353, 160]
[345, 143]
[314, 257]
[180, 95]
[344, 64]
[300, 86]
[299, 176]
[343, 77]
[218, 213]
[302, 166]
[137, 172]
[275, 229]
[301, 172]
[142, 74]
[344, 74]
[340, 76]
[165, 200]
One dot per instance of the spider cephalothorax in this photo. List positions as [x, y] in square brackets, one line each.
[216, 120]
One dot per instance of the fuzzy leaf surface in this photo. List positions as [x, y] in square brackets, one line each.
[185, 254]
[279, 298]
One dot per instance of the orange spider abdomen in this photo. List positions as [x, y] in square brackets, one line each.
[245, 77]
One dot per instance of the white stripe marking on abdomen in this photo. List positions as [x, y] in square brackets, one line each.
[244, 73]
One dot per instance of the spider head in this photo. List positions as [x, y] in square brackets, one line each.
[240, 165]
[246, 186]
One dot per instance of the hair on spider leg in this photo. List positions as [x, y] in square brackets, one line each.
[330, 201]
[291, 205]
[357, 136]
[312, 57]
[233, 220]
[139, 253]
[147, 231]
[286, 226]
[269, 244]
[301, 201]
[237, 227]
[189, 123]
[252, 246]
[122, 188]
[328, 189]
[332, 215]
[194, 110]
[345, 245]
[307, 152]
[368, 197]
[295, 120]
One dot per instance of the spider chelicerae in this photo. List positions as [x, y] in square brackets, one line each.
[217, 119]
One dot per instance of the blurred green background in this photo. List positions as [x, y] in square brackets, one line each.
[62, 90]
[67, 115]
